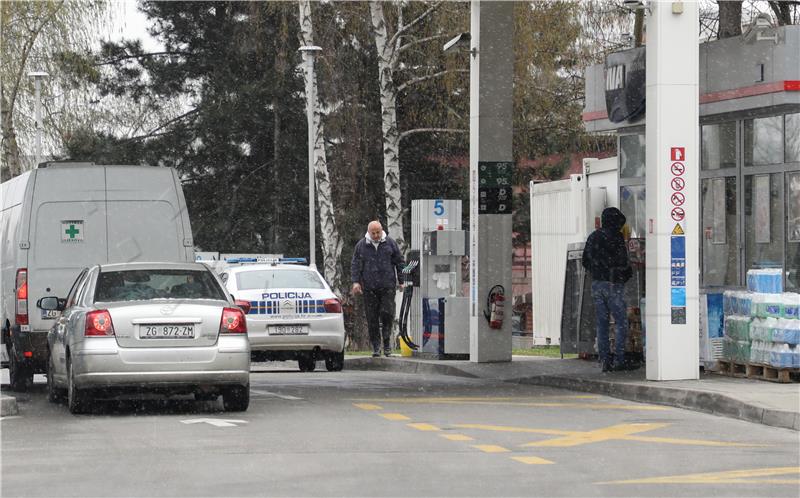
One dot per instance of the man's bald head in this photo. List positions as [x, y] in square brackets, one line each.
[375, 229]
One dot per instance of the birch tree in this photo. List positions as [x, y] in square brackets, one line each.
[32, 35]
[331, 242]
[390, 47]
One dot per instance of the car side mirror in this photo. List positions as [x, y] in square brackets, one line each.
[244, 305]
[51, 303]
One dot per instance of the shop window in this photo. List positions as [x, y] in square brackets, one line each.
[793, 138]
[718, 146]
[632, 205]
[632, 156]
[763, 208]
[793, 231]
[763, 141]
[719, 232]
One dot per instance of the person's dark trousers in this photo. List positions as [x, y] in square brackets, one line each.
[610, 298]
[379, 305]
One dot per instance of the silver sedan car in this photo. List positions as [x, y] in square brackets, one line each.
[156, 327]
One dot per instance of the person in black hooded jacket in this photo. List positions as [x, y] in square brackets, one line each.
[605, 257]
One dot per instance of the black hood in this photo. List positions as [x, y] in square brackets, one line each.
[613, 219]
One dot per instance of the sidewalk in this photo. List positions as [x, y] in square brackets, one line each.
[756, 401]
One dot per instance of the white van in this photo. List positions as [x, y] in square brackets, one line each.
[63, 217]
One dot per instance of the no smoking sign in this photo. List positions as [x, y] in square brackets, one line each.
[678, 183]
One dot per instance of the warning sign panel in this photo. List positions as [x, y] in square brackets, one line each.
[678, 230]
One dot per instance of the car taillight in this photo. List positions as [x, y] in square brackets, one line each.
[333, 306]
[98, 323]
[232, 322]
[21, 286]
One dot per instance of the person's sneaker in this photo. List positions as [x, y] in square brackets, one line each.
[607, 366]
[376, 354]
[387, 352]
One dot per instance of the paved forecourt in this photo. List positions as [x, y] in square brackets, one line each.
[387, 434]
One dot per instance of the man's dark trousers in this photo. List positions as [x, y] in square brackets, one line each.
[379, 304]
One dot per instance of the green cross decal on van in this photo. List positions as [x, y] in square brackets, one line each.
[72, 231]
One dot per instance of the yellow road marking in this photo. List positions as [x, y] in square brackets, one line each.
[624, 432]
[456, 437]
[367, 406]
[424, 427]
[532, 460]
[501, 428]
[490, 448]
[501, 401]
[394, 416]
[441, 399]
[597, 435]
[745, 476]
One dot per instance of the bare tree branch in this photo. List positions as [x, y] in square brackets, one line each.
[420, 79]
[420, 40]
[402, 29]
[431, 130]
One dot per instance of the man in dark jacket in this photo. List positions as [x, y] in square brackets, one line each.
[605, 257]
[376, 268]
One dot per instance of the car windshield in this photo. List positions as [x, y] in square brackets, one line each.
[135, 285]
[278, 279]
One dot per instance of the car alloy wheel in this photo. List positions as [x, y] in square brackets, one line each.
[77, 400]
[236, 398]
[306, 362]
[54, 394]
[19, 372]
[334, 362]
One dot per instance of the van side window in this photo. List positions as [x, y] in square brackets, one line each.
[223, 277]
[76, 286]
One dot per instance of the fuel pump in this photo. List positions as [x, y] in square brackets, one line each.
[410, 279]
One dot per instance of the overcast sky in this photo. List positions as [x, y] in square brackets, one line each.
[130, 23]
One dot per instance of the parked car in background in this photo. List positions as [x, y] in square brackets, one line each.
[294, 314]
[62, 217]
[156, 327]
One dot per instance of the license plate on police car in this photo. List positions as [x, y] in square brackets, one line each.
[166, 331]
[287, 329]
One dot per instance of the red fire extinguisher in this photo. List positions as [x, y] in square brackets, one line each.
[495, 304]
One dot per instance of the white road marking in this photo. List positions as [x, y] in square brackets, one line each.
[275, 395]
[217, 422]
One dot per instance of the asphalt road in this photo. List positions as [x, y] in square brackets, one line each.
[382, 434]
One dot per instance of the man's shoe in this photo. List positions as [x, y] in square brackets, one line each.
[387, 352]
[607, 367]
[376, 354]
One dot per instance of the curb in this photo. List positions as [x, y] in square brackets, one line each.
[700, 401]
[411, 367]
[8, 406]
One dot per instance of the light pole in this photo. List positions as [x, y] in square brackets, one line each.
[309, 52]
[37, 82]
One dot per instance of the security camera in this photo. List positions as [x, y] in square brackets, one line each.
[460, 41]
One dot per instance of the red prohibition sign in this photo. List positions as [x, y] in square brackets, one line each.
[678, 168]
[677, 214]
[678, 183]
[677, 199]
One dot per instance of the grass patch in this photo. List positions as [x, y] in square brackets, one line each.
[547, 351]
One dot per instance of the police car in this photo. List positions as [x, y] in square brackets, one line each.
[293, 315]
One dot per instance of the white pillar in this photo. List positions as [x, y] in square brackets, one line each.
[673, 184]
[490, 149]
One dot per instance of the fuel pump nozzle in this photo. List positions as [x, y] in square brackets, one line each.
[405, 306]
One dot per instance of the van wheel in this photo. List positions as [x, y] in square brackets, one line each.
[334, 362]
[19, 372]
[306, 362]
[54, 394]
[236, 399]
[77, 399]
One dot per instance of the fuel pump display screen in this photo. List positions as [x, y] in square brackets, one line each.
[494, 187]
